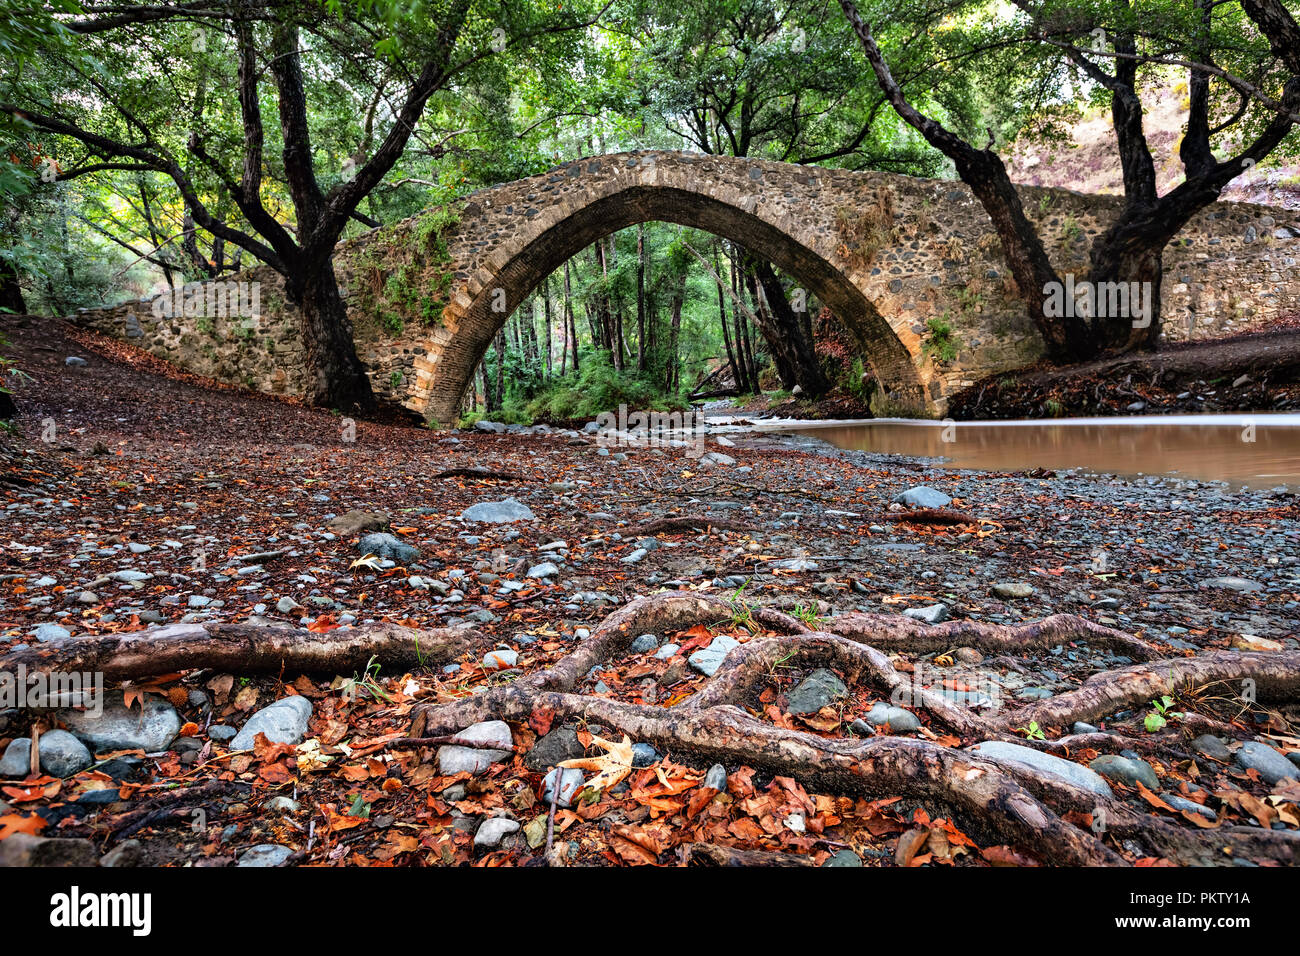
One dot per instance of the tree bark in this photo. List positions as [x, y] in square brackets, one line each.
[11, 293]
[338, 379]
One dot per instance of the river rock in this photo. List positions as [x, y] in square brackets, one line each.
[933, 614]
[819, 689]
[265, 854]
[1000, 752]
[1126, 770]
[559, 745]
[500, 659]
[1272, 766]
[50, 632]
[1234, 584]
[1212, 746]
[897, 719]
[387, 547]
[149, 725]
[570, 781]
[283, 722]
[716, 778]
[497, 512]
[453, 759]
[643, 644]
[707, 660]
[1012, 590]
[493, 830]
[923, 496]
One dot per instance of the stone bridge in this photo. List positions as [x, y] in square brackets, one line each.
[887, 253]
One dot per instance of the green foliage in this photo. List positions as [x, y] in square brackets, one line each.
[599, 387]
[941, 343]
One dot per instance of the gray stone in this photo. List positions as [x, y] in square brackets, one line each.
[496, 512]
[559, 745]
[643, 644]
[500, 659]
[897, 719]
[707, 660]
[75, 361]
[150, 725]
[667, 651]
[547, 569]
[1014, 755]
[923, 496]
[386, 547]
[287, 605]
[933, 614]
[221, 733]
[570, 781]
[283, 722]
[819, 689]
[1191, 806]
[1012, 590]
[1234, 584]
[453, 759]
[1081, 728]
[493, 830]
[1272, 766]
[1126, 770]
[264, 855]
[643, 755]
[50, 632]
[843, 858]
[62, 754]
[716, 778]
[1212, 746]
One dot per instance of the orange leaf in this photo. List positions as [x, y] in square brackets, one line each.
[12, 823]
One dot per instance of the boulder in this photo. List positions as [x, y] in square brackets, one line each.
[149, 725]
[1015, 756]
[453, 759]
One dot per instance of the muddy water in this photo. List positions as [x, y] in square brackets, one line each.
[1258, 451]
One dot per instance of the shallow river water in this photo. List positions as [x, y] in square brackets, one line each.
[1258, 451]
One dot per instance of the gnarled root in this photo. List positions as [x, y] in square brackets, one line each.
[243, 649]
[1002, 802]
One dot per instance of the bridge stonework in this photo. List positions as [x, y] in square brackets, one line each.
[887, 253]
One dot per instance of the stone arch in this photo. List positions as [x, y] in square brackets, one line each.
[715, 194]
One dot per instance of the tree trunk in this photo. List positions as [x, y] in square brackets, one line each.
[546, 315]
[640, 297]
[737, 372]
[11, 293]
[501, 368]
[338, 379]
[792, 335]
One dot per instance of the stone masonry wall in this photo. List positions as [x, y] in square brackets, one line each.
[891, 251]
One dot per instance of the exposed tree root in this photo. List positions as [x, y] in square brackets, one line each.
[891, 632]
[672, 524]
[1274, 676]
[999, 802]
[243, 649]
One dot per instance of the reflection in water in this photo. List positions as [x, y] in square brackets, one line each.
[1260, 451]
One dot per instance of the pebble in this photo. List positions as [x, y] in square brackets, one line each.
[493, 830]
[1271, 765]
[453, 759]
[707, 660]
[1126, 770]
[570, 781]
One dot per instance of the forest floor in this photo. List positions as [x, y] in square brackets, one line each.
[159, 500]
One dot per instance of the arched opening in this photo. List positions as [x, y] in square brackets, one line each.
[541, 255]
